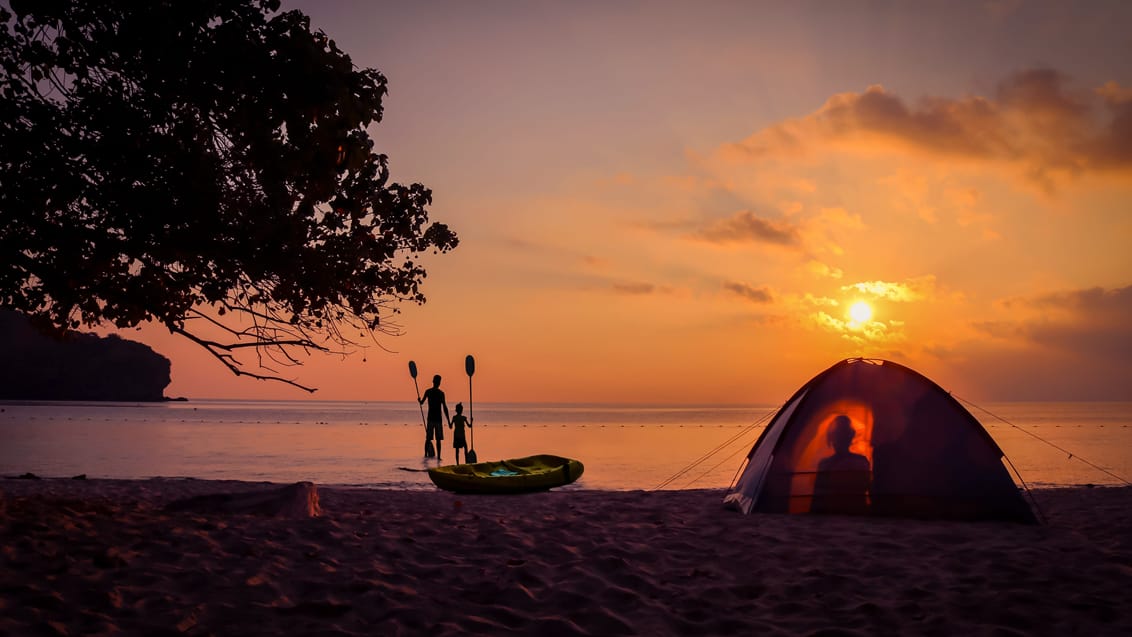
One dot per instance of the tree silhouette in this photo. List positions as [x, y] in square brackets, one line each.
[205, 165]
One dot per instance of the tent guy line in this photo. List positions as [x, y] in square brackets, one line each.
[1036, 436]
[717, 449]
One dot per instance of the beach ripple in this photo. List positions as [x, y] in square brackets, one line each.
[103, 557]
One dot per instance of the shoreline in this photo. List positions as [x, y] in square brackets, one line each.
[364, 444]
[1030, 486]
[103, 556]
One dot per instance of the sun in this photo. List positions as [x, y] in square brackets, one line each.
[860, 312]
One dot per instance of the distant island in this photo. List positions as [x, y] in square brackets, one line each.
[76, 366]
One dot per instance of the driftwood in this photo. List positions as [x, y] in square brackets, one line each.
[299, 500]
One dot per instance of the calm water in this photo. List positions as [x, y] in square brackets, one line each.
[368, 443]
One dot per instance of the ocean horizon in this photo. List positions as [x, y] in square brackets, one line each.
[380, 443]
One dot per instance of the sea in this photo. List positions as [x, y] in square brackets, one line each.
[381, 444]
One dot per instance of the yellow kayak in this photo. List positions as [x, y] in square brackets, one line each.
[518, 475]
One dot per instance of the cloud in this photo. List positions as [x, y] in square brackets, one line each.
[798, 231]
[839, 217]
[1095, 301]
[867, 333]
[820, 301]
[825, 270]
[1093, 321]
[753, 294]
[916, 289]
[998, 329]
[871, 333]
[746, 227]
[640, 288]
[1033, 122]
[1114, 94]
[634, 289]
[1069, 345]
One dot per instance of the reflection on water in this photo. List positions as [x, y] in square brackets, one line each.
[623, 447]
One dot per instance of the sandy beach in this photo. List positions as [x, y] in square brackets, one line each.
[101, 557]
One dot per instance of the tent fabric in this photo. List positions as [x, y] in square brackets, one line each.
[874, 437]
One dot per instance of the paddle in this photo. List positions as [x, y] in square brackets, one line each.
[470, 367]
[428, 443]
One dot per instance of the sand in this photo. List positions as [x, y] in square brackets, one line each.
[92, 557]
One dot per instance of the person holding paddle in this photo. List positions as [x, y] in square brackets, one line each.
[457, 424]
[436, 405]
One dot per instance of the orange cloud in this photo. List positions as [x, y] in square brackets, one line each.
[819, 301]
[825, 270]
[912, 290]
[1048, 342]
[1093, 320]
[745, 227]
[867, 333]
[748, 292]
[638, 288]
[1114, 94]
[1033, 122]
[799, 231]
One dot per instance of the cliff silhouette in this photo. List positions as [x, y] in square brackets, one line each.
[76, 365]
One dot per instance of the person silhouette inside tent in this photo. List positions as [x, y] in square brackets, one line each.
[436, 406]
[843, 480]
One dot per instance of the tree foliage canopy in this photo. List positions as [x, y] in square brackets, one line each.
[205, 165]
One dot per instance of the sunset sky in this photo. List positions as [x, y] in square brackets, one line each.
[679, 202]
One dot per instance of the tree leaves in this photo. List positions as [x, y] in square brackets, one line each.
[165, 158]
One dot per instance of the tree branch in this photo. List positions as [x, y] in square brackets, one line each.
[231, 362]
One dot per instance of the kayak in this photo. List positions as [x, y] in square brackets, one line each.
[518, 475]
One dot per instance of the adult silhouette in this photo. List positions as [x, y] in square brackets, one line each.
[434, 427]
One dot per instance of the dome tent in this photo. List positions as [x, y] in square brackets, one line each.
[874, 437]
